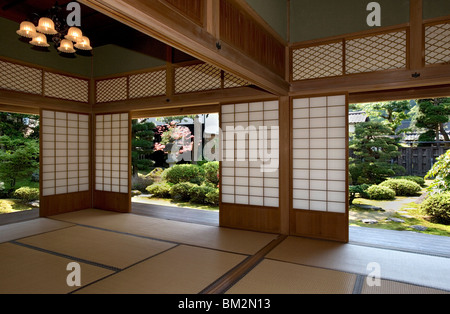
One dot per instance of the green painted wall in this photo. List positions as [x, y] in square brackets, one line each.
[325, 18]
[435, 8]
[274, 12]
[12, 47]
[112, 59]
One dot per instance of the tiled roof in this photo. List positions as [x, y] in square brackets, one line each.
[357, 117]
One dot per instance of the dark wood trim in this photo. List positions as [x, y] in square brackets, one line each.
[175, 111]
[249, 217]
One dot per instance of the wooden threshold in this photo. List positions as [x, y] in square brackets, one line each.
[225, 282]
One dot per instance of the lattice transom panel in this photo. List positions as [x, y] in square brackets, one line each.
[196, 78]
[148, 84]
[66, 87]
[437, 44]
[230, 81]
[112, 90]
[20, 78]
[317, 61]
[376, 53]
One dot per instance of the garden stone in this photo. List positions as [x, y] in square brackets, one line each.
[363, 206]
[407, 216]
[396, 220]
[369, 221]
[419, 228]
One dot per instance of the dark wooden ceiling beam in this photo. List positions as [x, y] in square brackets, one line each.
[157, 20]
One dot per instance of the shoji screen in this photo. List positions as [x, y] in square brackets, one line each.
[250, 165]
[319, 165]
[112, 162]
[65, 151]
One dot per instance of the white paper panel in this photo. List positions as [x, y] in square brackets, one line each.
[112, 142]
[250, 153]
[319, 153]
[61, 151]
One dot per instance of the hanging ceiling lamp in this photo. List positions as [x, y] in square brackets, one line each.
[27, 29]
[39, 40]
[74, 34]
[46, 26]
[83, 43]
[54, 26]
[66, 46]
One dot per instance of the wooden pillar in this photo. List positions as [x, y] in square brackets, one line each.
[285, 166]
[416, 36]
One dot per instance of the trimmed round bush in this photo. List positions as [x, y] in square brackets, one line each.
[213, 197]
[184, 173]
[211, 171]
[159, 190]
[437, 206]
[181, 191]
[419, 180]
[198, 194]
[26, 194]
[377, 192]
[402, 187]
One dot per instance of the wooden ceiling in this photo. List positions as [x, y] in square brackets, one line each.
[101, 29]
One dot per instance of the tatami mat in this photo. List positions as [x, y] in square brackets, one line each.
[26, 228]
[274, 277]
[28, 271]
[98, 246]
[239, 241]
[393, 287]
[180, 270]
[417, 269]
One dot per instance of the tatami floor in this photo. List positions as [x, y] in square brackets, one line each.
[130, 253]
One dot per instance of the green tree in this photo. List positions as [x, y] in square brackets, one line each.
[393, 112]
[142, 133]
[19, 158]
[432, 115]
[373, 150]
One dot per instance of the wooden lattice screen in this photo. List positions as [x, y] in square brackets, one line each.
[349, 55]
[437, 43]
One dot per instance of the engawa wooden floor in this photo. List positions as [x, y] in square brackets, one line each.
[134, 253]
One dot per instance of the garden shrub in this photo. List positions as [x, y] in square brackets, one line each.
[358, 189]
[156, 174]
[184, 173]
[159, 190]
[140, 182]
[440, 173]
[26, 194]
[212, 197]
[419, 180]
[402, 187]
[181, 191]
[211, 172]
[378, 192]
[438, 207]
[198, 193]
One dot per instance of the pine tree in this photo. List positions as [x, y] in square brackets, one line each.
[373, 150]
[141, 144]
[432, 115]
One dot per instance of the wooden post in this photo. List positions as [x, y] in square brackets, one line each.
[416, 36]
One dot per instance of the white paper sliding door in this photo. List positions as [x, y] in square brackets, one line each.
[112, 162]
[250, 164]
[65, 161]
[319, 166]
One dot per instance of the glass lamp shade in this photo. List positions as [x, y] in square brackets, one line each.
[46, 26]
[27, 29]
[39, 40]
[66, 46]
[74, 34]
[83, 43]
